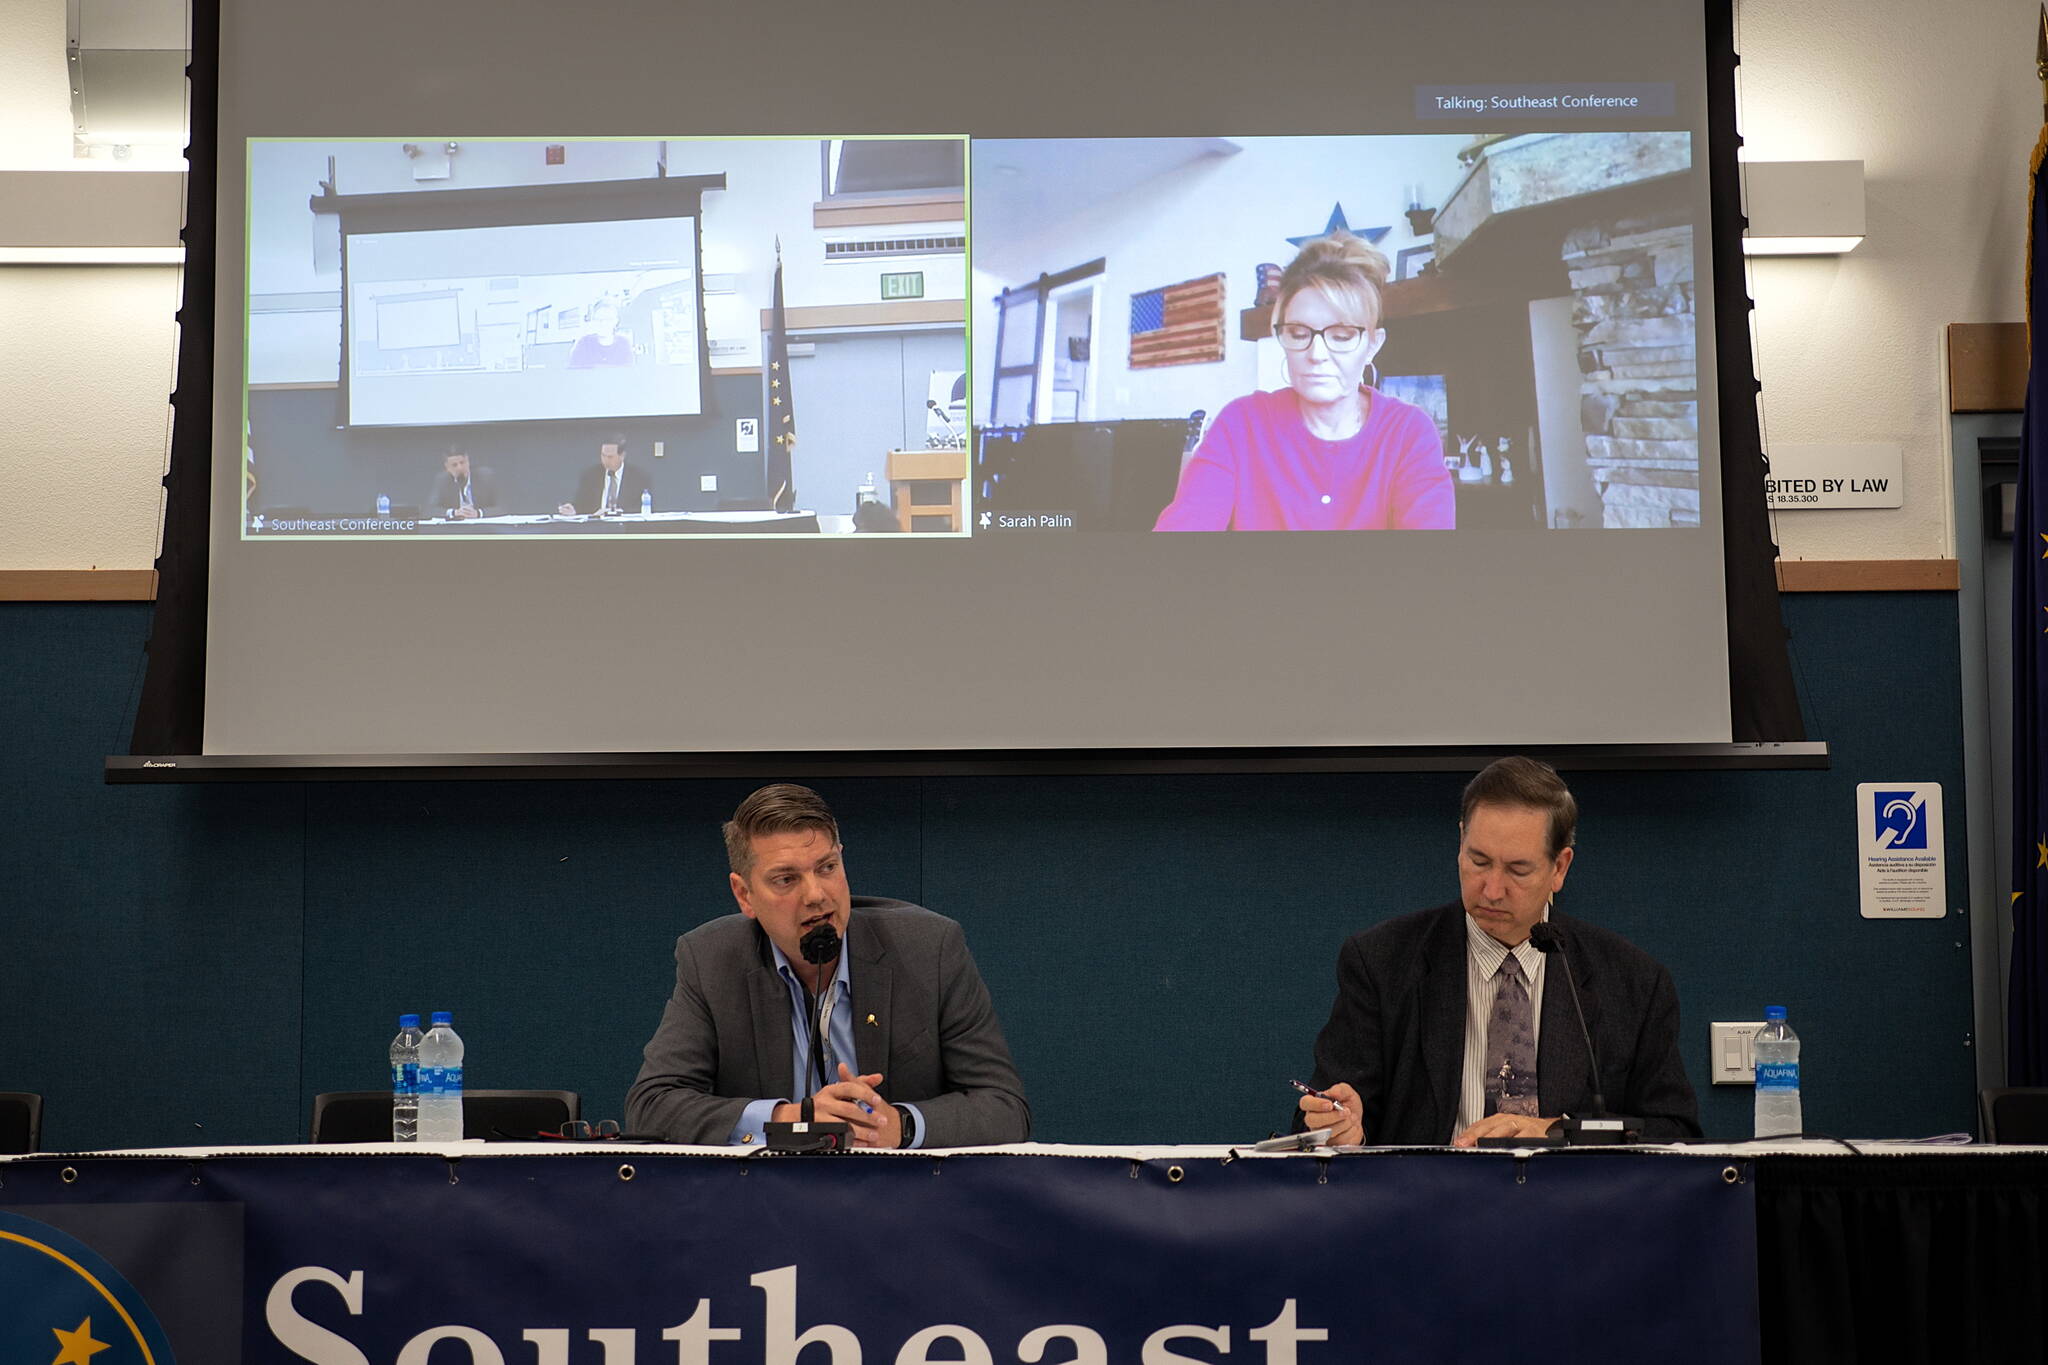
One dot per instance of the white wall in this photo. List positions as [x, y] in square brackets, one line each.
[1939, 102]
[1941, 106]
[87, 357]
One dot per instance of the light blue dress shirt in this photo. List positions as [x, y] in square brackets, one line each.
[752, 1126]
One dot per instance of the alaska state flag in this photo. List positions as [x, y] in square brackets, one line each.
[781, 408]
[2027, 1014]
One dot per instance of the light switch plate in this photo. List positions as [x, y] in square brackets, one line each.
[1730, 1059]
[707, 483]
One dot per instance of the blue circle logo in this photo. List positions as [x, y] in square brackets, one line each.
[67, 1306]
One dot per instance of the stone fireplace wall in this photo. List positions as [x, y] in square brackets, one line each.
[1632, 303]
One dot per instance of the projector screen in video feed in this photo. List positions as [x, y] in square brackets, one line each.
[533, 322]
[1511, 342]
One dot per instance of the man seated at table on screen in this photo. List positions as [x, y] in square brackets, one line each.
[461, 492]
[912, 1053]
[608, 486]
[1450, 1026]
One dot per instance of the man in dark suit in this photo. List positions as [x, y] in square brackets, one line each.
[1451, 1026]
[911, 1053]
[462, 493]
[610, 485]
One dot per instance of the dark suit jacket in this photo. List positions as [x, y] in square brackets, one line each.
[726, 1038]
[483, 491]
[1397, 1031]
[633, 481]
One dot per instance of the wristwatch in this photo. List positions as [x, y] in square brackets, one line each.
[909, 1118]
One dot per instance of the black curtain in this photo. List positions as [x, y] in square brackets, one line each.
[169, 717]
[1934, 1258]
[1762, 703]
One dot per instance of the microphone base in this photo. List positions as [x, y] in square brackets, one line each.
[1612, 1130]
[808, 1138]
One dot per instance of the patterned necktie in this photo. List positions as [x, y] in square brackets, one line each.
[611, 491]
[1510, 1045]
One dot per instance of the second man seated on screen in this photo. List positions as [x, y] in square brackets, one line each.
[611, 485]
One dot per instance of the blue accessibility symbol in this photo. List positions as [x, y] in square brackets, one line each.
[1900, 819]
[62, 1304]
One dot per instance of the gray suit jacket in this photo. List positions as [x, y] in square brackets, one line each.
[726, 1037]
[1397, 1031]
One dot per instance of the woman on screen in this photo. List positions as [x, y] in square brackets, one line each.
[1328, 452]
[604, 343]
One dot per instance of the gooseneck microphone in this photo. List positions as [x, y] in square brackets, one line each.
[1548, 939]
[820, 948]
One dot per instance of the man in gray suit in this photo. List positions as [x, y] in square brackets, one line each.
[1450, 1025]
[911, 1054]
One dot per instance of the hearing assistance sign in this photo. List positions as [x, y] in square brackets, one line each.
[1899, 850]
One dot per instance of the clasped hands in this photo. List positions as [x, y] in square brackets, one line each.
[1338, 1108]
[854, 1101]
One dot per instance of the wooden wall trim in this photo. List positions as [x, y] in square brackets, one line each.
[902, 313]
[1987, 366]
[77, 585]
[1869, 575]
[933, 208]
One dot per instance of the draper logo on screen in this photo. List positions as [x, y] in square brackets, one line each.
[1901, 819]
[67, 1306]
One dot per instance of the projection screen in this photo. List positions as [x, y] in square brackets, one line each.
[669, 378]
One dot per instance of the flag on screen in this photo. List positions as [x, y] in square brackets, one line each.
[781, 408]
[2026, 1061]
[1181, 324]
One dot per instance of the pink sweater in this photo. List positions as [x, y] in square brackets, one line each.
[1259, 469]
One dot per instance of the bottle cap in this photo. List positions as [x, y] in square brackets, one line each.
[1772, 1013]
[408, 1021]
[441, 1017]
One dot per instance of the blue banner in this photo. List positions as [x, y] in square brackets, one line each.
[618, 1258]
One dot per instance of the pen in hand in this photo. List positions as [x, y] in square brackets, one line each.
[1337, 1105]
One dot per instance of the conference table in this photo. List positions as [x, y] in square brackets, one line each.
[559, 1253]
[547, 524]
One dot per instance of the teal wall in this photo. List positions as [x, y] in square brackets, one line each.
[191, 964]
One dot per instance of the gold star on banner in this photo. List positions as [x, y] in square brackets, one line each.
[775, 383]
[2042, 845]
[77, 1347]
[2044, 540]
[776, 401]
[774, 364]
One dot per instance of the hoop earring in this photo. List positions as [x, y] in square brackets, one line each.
[1374, 366]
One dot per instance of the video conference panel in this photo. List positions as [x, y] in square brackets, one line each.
[919, 407]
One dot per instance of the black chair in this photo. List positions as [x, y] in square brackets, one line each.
[21, 1122]
[505, 1115]
[2015, 1114]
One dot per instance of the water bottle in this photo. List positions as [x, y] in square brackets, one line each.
[646, 501]
[1777, 1077]
[383, 504]
[405, 1080]
[441, 1082]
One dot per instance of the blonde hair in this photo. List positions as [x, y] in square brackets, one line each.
[1346, 268]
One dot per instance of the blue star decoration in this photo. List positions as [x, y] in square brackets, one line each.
[1339, 222]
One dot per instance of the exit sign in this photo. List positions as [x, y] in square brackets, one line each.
[906, 284]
